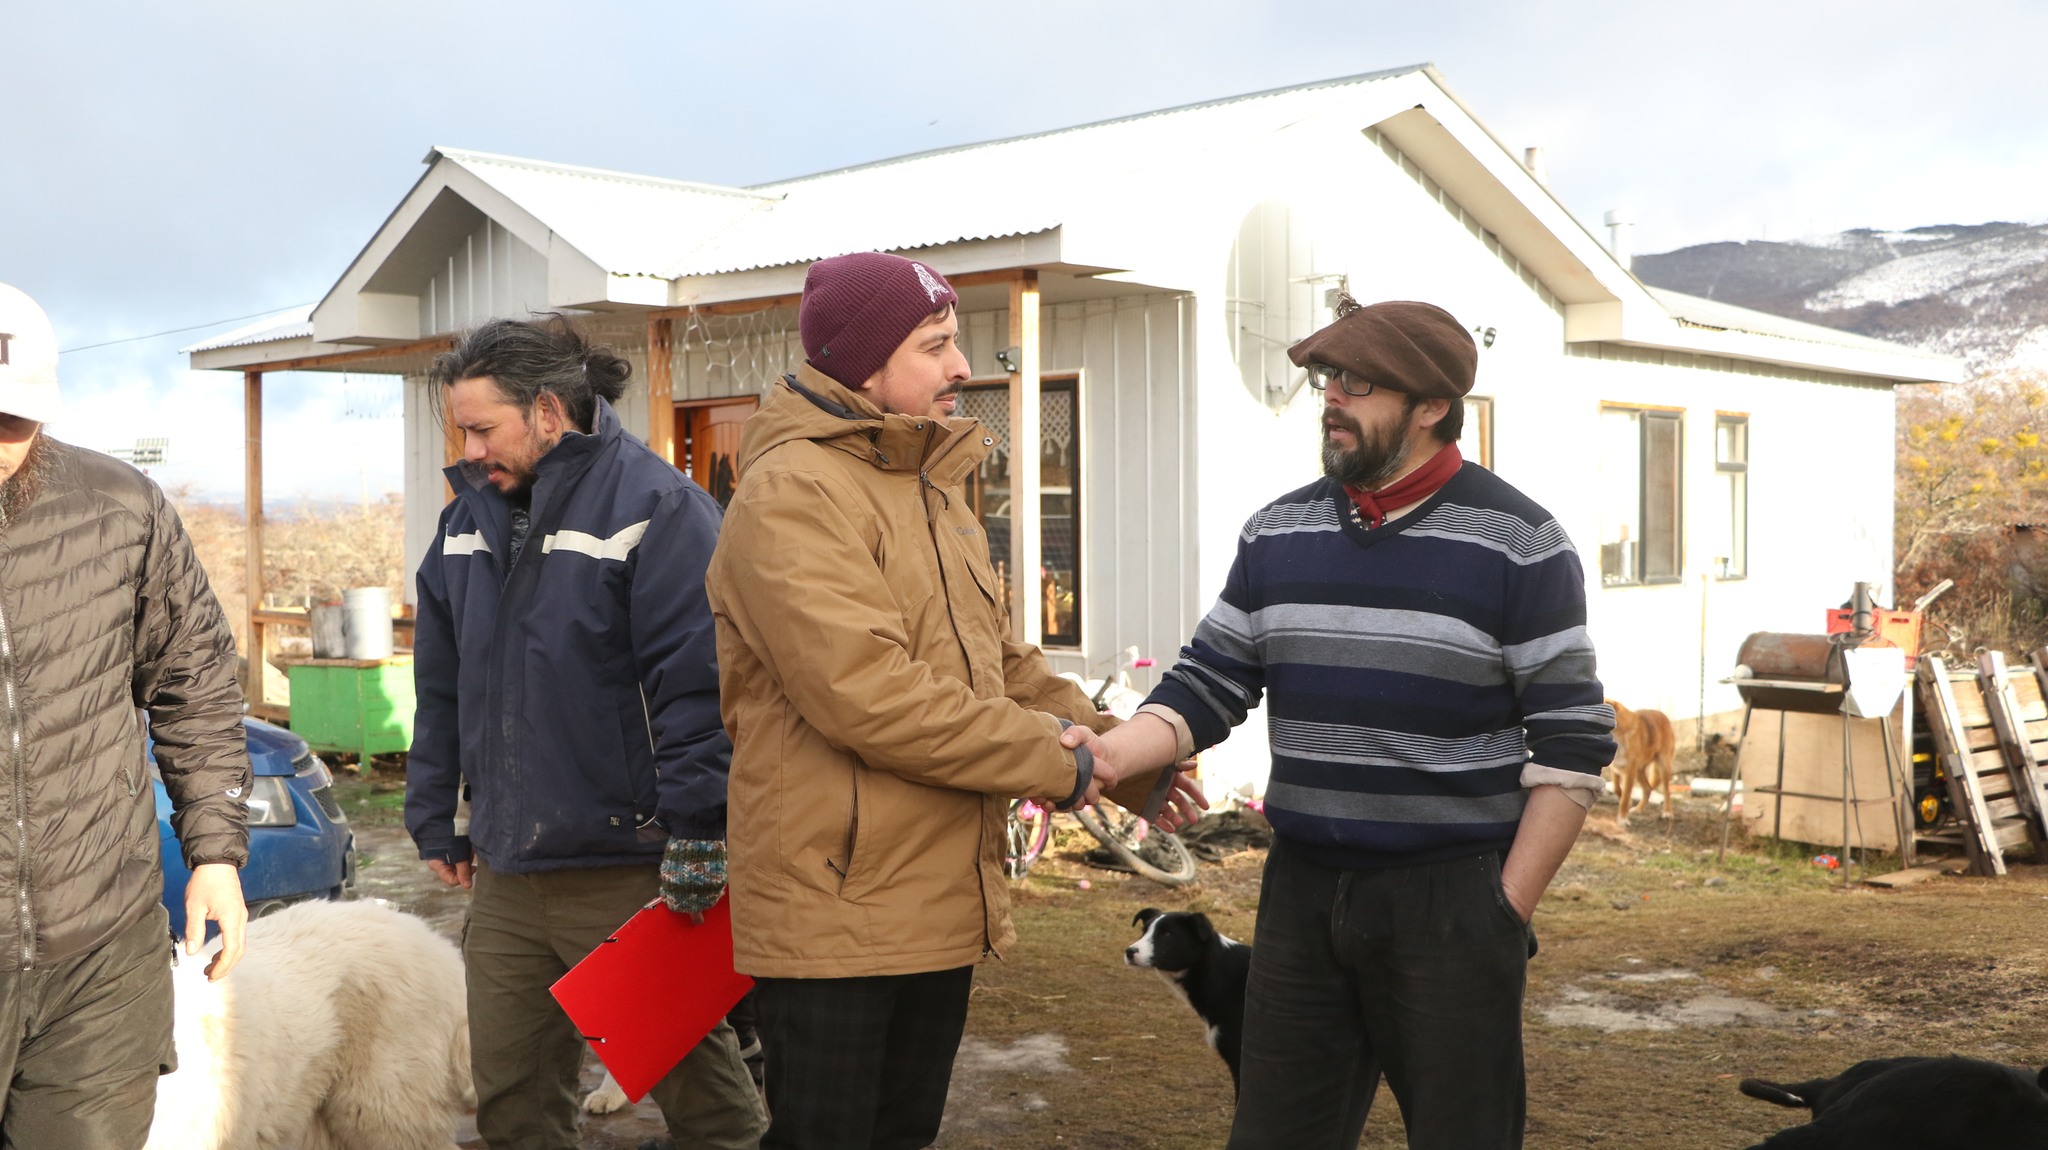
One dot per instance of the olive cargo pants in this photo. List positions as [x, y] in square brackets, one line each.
[524, 932]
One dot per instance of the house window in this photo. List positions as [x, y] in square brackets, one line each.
[1640, 525]
[1059, 498]
[1731, 477]
[1478, 433]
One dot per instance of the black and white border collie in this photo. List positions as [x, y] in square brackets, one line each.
[1204, 967]
[1907, 1103]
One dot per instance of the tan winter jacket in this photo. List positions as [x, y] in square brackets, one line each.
[881, 719]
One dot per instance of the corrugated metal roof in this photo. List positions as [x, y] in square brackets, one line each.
[627, 224]
[1000, 188]
[1718, 316]
[291, 324]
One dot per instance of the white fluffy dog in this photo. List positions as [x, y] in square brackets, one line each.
[343, 1028]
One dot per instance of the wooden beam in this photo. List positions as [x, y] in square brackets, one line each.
[748, 306]
[252, 555]
[1027, 595]
[728, 307]
[366, 355]
[661, 404]
[1000, 276]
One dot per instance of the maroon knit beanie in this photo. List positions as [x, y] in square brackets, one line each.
[858, 309]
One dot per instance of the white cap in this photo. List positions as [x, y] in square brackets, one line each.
[28, 359]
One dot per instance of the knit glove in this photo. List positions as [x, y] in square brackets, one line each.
[692, 874]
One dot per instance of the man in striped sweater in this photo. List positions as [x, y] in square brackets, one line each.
[1417, 628]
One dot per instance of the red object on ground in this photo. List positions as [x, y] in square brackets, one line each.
[652, 991]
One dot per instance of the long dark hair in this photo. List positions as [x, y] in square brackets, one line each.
[527, 358]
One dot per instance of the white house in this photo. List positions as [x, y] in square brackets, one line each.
[1128, 291]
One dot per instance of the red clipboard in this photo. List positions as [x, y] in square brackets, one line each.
[652, 991]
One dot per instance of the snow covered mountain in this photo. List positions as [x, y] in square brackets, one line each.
[1979, 291]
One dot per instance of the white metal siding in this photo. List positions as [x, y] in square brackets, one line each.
[1134, 356]
[490, 274]
[425, 490]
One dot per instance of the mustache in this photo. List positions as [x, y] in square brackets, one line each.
[954, 389]
[1343, 420]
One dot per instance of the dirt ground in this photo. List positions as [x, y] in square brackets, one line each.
[1664, 977]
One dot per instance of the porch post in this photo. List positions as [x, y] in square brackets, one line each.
[1027, 595]
[252, 557]
[661, 408]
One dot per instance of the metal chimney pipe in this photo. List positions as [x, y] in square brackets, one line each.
[1619, 223]
[1532, 159]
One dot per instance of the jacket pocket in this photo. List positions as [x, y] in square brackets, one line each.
[852, 863]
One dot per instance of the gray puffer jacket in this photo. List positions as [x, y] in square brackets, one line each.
[104, 608]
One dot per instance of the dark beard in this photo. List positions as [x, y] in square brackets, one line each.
[19, 492]
[1373, 461]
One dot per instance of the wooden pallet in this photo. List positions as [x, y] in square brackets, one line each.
[2019, 715]
[2033, 682]
[1980, 788]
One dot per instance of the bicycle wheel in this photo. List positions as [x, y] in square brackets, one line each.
[1156, 854]
[1029, 831]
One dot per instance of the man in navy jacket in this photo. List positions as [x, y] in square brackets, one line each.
[568, 688]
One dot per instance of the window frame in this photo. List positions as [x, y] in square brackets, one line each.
[1652, 423]
[1736, 566]
[1479, 429]
[1069, 381]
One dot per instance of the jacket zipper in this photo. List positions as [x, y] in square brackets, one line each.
[939, 555]
[16, 754]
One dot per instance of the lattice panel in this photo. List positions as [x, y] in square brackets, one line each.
[736, 354]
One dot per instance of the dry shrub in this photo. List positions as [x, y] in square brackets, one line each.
[1972, 480]
[311, 555]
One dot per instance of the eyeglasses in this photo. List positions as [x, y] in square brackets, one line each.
[1320, 375]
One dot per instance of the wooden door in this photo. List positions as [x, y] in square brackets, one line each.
[707, 442]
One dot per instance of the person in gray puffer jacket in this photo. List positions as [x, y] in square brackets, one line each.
[103, 609]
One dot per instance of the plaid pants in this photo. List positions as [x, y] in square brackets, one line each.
[860, 1063]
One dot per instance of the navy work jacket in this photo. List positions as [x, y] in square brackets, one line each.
[576, 693]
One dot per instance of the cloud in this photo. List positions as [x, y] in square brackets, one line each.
[169, 165]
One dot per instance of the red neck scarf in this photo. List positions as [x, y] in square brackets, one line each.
[1413, 487]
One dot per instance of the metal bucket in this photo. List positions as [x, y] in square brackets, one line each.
[329, 623]
[367, 619]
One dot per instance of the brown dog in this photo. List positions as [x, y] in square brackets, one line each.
[1648, 747]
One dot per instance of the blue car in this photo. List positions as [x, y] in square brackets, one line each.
[300, 844]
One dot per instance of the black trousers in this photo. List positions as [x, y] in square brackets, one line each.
[860, 1063]
[82, 1042]
[1413, 972]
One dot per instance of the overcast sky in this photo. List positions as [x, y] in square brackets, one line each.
[163, 166]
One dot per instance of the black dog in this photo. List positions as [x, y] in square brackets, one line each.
[1204, 967]
[1914, 1103]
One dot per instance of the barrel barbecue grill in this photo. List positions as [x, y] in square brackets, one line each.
[1807, 674]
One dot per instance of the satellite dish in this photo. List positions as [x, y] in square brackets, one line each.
[1270, 300]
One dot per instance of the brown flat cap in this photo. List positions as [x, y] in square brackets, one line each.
[1401, 345]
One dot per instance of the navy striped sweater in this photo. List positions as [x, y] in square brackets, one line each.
[1410, 672]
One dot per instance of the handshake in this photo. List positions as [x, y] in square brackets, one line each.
[1135, 750]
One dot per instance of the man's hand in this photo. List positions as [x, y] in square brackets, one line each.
[1185, 802]
[215, 892]
[462, 874]
[1105, 776]
[1550, 825]
[692, 875]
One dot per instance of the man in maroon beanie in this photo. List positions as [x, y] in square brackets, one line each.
[881, 717]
